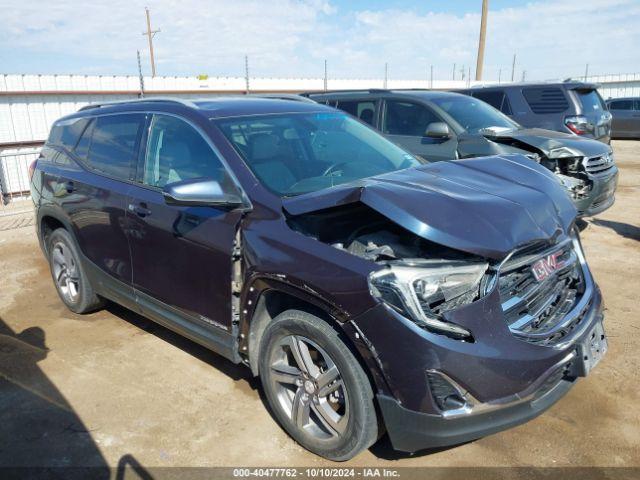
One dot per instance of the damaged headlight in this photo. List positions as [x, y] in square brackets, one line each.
[423, 290]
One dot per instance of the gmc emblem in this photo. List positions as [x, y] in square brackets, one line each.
[545, 267]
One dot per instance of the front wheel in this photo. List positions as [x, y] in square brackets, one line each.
[316, 387]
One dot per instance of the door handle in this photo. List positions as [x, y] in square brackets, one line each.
[69, 187]
[140, 209]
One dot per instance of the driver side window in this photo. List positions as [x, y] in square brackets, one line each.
[407, 118]
[176, 152]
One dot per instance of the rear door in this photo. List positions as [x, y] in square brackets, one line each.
[95, 197]
[622, 112]
[181, 255]
[405, 123]
[365, 110]
[496, 98]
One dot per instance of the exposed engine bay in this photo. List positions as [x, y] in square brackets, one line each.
[363, 232]
[565, 162]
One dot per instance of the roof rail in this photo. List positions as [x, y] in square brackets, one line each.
[186, 103]
[347, 90]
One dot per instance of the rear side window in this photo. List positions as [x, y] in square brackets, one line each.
[65, 133]
[82, 147]
[407, 118]
[364, 110]
[496, 98]
[545, 99]
[114, 144]
[591, 101]
[621, 105]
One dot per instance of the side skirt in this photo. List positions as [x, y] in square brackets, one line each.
[217, 340]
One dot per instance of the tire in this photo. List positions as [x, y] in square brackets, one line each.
[334, 419]
[68, 274]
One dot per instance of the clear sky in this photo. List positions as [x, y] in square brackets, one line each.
[553, 39]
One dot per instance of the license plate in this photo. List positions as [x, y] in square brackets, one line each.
[592, 349]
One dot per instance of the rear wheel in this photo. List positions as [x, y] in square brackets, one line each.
[68, 275]
[316, 387]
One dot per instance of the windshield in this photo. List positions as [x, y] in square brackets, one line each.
[296, 153]
[472, 114]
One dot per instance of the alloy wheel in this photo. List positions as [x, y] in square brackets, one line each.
[65, 272]
[309, 387]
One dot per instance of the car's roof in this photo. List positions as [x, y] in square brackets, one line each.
[621, 98]
[222, 106]
[417, 92]
[569, 84]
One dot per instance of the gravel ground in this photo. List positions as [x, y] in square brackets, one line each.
[113, 388]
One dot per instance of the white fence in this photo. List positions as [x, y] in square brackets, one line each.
[29, 104]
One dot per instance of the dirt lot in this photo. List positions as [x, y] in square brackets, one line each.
[112, 387]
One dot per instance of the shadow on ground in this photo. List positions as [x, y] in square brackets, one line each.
[623, 229]
[38, 427]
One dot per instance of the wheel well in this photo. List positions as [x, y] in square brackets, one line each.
[271, 304]
[47, 225]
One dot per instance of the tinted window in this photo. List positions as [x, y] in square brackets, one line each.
[364, 110]
[114, 144]
[591, 101]
[497, 99]
[65, 133]
[406, 118]
[82, 147]
[545, 99]
[176, 152]
[621, 105]
[473, 114]
[298, 153]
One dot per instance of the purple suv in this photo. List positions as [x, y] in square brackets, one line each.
[370, 292]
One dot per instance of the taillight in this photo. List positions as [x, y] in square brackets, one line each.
[577, 124]
[32, 168]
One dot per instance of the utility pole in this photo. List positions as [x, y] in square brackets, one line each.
[462, 73]
[513, 67]
[481, 40]
[586, 72]
[499, 75]
[524, 75]
[454, 72]
[469, 78]
[431, 78]
[246, 72]
[140, 75]
[386, 74]
[150, 34]
[326, 79]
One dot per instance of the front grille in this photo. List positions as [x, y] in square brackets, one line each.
[537, 310]
[598, 164]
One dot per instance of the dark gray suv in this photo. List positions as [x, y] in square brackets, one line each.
[443, 126]
[626, 117]
[571, 107]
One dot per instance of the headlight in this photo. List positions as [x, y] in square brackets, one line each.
[423, 290]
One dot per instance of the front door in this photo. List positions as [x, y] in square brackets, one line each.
[181, 256]
[405, 123]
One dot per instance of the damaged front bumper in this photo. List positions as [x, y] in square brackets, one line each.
[498, 381]
[602, 193]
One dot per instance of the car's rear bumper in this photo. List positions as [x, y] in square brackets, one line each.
[411, 431]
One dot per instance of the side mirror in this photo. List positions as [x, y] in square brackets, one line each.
[438, 130]
[201, 192]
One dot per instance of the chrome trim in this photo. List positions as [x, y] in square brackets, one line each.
[473, 406]
[577, 309]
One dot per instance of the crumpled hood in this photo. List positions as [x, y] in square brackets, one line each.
[486, 206]
[548, 140]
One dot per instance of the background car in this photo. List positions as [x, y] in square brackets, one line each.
[625, 114]
[444, 126]
[570, 106]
